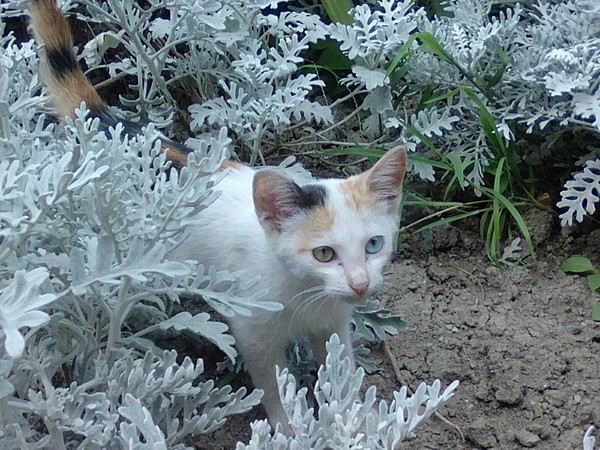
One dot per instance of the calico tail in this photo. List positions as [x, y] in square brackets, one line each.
[68, 84]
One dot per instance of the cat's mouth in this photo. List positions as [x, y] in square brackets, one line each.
[356, 299]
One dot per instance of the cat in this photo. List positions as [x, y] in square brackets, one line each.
[319, 248]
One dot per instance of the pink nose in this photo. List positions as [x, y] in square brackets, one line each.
[360, 289]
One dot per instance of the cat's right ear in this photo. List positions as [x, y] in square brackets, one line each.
[275, 198]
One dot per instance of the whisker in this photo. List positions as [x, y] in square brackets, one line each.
[305, 303]
[312, 294]
[309, 290]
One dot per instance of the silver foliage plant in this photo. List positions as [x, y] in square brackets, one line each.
[247, 54]
[589, 440]
[344, 419]
[86, 221]
[88, 217]
[530, 66]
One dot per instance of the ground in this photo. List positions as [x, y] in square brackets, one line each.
[519, 339]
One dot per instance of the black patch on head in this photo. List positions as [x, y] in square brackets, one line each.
[62, 61]
[310, 196]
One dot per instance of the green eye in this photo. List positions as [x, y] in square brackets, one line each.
[374, 245]
[323, 254]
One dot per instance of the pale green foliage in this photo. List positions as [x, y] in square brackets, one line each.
[95, 248]
[530, 66]
[581, 193]
[86, 222]
[345, 420]
[251, 55]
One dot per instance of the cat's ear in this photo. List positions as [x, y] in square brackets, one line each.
[385, 178]
[277, 198]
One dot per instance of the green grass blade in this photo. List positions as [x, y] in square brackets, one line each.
[430, 44]
[516, 215]
[339, 10]
[371, 153]
[401, 56]
[499, 73]
[441, 97]
[440, 222]
[439, 164]
[458, 167]
[487, 123]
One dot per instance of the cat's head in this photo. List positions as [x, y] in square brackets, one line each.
[334, 233]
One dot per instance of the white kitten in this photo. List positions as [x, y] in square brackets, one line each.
[319, 249]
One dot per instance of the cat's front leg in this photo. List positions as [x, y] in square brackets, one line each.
[260, 356]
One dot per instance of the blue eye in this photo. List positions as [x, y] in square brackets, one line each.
[374, 245]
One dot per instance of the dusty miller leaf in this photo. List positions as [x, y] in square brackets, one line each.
[373, 323]
[202, 325]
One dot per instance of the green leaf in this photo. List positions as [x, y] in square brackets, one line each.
[488, 125]
[440, 222]
[459, 168]
[596, 313]
[332, 57]
[431, 162]
[371, 153]
[510, 207]
[500, 72]
[373, 322]
[578, 264]
[430, 44]
[594, 281]
[425, 96]
[441, 97]
[339, 10]
[401, 56]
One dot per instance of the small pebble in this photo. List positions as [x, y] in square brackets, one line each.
[480, 433]
[558, 422]
[527, 438]
[572, 329]
[509, 395]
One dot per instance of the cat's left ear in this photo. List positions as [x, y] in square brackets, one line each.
[385, 178]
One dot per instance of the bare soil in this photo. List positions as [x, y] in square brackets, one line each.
[519, 339]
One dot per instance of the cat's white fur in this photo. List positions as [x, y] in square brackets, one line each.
[244, 231]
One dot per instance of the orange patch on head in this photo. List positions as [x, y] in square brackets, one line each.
[318, 221]
[356, 192]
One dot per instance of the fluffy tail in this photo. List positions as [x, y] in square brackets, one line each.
[68, 84]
